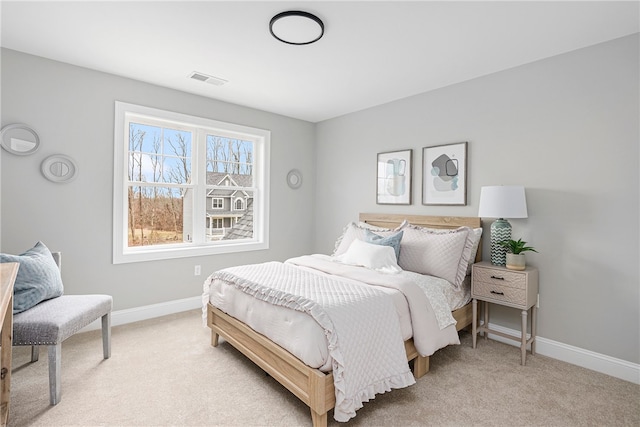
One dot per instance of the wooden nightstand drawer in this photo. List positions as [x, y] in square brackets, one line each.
[500, 277]
[500, 293]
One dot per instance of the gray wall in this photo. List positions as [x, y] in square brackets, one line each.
[566, 128]
[72, 109]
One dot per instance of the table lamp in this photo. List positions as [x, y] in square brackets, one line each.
[501, 201]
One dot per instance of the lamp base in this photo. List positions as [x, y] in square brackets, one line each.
[500, 231]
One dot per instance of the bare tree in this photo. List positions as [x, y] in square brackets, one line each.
[228, 155]
[156, 168]
[178, 175]
[136, 138]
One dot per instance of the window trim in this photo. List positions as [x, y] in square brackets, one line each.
[213, 199]
[260, 137]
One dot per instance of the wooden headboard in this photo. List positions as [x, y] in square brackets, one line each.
[394, 220]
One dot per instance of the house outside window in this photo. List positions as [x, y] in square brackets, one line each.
[174, 175]
[239, 205]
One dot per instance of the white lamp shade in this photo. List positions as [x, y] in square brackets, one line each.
[502, 201]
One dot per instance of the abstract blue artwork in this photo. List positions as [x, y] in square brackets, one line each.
[444, 174]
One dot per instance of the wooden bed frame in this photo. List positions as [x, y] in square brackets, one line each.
[312, 386]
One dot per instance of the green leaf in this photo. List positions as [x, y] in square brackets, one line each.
[516, 246]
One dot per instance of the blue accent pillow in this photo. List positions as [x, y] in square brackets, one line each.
[393, 240]
[38, 277]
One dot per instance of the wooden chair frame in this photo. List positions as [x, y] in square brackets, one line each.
[312, 386]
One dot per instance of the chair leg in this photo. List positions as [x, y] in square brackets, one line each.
[106, 335]
[55, 358]
[35, 353]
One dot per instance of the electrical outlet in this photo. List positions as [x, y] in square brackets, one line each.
[196, 271]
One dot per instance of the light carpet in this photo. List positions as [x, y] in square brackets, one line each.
[164, 372]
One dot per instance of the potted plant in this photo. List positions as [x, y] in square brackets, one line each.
[515, 255]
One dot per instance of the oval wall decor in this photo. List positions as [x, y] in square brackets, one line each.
[59, 168]
[19, 139]
[294, 178]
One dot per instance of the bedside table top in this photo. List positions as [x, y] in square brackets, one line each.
[487, 264]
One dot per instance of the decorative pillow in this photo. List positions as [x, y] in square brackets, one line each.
[392, 240]
[369, 255]
[355, 231]
[471, 246]
[477, 234]
[440, 253]
[38, 277]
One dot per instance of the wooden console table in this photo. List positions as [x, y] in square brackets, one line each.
[8, 273]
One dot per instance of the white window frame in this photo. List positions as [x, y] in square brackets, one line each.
[198, 246]
[213, 199]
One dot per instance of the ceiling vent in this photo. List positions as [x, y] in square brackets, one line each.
[216, 81]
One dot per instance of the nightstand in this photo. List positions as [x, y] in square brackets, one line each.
[499, 285]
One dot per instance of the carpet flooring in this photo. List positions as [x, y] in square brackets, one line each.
[163, 372]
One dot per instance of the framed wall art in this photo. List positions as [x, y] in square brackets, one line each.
[444, 174]
[393, 178]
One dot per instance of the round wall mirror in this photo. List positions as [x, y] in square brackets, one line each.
[19, 139]
[294, 178]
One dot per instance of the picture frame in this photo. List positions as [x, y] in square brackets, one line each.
[444, 174]
[394, 172]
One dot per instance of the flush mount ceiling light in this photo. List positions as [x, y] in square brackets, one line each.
[296, 27]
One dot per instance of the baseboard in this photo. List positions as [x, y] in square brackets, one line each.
[576, 356]
[130, 315]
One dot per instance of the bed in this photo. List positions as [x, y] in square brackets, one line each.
[315, 385]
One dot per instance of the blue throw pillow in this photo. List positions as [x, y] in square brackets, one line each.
[38, 277]
[393, 240]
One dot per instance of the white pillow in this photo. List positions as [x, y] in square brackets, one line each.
[477, 234]
[369, 255]
[437, 252]
[471, 246]
[355, 231]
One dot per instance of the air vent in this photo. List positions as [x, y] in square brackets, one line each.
[216, 81]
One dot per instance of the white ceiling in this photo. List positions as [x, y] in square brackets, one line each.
[372, 52]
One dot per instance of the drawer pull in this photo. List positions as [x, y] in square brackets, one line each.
[497, 278]
[497, 293]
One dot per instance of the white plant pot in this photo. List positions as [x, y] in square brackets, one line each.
[516, 261]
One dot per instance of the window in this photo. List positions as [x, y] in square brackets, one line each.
[217, 203]
[173, 173]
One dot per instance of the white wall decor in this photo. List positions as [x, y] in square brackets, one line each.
[59, 168]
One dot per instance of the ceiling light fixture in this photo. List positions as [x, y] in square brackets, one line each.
[296, 27]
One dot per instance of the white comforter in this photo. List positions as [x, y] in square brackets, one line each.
[359, 321]
[427, 334]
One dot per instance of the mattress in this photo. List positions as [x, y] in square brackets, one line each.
[299, 334]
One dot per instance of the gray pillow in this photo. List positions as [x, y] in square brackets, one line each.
[38, 277]
[392, 240]
[355, 231]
